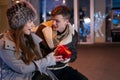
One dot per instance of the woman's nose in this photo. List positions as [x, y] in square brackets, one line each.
[32, 24]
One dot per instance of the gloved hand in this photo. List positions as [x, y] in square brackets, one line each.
[66, 60]
[42, 64]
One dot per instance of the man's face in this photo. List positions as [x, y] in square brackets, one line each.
[59, 23]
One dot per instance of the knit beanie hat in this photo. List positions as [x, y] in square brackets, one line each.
[20, 13]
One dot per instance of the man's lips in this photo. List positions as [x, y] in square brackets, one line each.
[54, 26]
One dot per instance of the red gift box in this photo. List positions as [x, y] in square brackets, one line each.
[63, 50]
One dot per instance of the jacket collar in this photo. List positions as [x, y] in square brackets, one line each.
[10, 44]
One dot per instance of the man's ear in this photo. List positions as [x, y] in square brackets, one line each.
[67, 21]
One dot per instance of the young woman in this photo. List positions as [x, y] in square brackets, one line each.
[20, 56]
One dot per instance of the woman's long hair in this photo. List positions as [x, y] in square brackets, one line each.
[18, 15]
[26, 44]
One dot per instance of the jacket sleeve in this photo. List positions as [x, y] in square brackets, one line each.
[43, 63]
[73, 47]
[17, 65]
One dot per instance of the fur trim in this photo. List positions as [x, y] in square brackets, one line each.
[48, 23]
[68, 39]
[47, 32]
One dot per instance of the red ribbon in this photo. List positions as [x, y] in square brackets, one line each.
[63, 50]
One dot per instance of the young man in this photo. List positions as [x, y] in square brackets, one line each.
[59, 32]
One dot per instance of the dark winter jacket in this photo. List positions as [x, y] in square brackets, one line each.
[47, 45]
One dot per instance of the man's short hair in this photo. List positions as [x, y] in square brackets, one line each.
[61, 10]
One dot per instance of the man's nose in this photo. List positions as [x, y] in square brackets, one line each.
[54, 22]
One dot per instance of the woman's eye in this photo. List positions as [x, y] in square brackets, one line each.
[30, 21]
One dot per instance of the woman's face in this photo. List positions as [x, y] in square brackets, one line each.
[27, 28]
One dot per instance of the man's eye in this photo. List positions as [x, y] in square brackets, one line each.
[57, 20]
